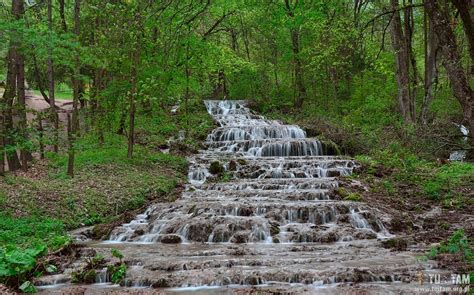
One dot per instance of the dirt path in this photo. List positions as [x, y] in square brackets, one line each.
[37, 103]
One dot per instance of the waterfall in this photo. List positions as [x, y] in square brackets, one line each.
[278, 190]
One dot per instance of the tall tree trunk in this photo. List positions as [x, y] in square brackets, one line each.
[298, 69]
[70, 162]
[452, 62]
[22, 122]
[409, 27]
[62, 15]
[431, 69]
[52, 101]
[74, 122]
[133, 91]
[402, 55]
[18, 11]
[8, 97]
[464, 8]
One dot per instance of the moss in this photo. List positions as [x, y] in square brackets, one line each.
[90, 276]
[216, 168]
[353, 197]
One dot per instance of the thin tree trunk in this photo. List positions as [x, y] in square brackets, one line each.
[431, 69]
[402, 64]
[133, 91]
[298, 69]
[52, 100]
[8, 97]
[70, 162]
[2, 137]
[41, 134]
[74, 123]
[22, 122]
[18, 11]
[452, 62]
[62, 15]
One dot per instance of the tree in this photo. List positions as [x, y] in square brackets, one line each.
[401, 42]
[452, 62]
[295, 33]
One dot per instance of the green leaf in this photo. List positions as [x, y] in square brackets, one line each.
[28, 287]
[51, 268]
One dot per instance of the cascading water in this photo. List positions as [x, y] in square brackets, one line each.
[273, 220]
[273, 167]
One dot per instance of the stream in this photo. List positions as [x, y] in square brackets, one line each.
[258, 214]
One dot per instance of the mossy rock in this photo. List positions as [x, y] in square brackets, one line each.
[216, 168]
[353, 197]
[274, 230]
[90, 276]
[330, 147]
[395, 243]
[341, 192]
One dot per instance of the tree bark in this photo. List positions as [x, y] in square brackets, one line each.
[8, 97]
[74, 122]
[402, 55]
[133, 91]
[452, 62]
[52, 101]
[62, 15]
[431, 68]
[18, 11]
[464, 8]
[298, 69]
[22, 122]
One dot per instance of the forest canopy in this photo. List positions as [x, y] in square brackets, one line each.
[368, 63]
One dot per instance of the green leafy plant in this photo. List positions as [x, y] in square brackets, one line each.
[456, 243]
[117, 254]
[28, 287]
[117, 272]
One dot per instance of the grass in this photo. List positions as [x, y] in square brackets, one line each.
[446, 183]
[106, 184]
[62, 91]
[64, 95]
[31, 231]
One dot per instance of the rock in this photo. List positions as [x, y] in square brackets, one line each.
[232, 165]
[239, 238]
[241, 161]
[398, 244]
[216, 168]
[245, 211]
[274, 230]
[161, 283]
[170, 239]
[333, 173]
[252, 280]
[364, 234]
[90, 276]
[328, 237]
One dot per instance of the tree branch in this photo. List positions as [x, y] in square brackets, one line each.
[391, 12]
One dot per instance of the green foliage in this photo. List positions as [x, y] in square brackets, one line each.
[457, 243]
[28, 287]
[448, 177]
[117, 272]
[117, 254]
[216, 168]
[32, 231]
[353, 197]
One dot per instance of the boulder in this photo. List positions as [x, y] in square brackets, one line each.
[171, 239]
